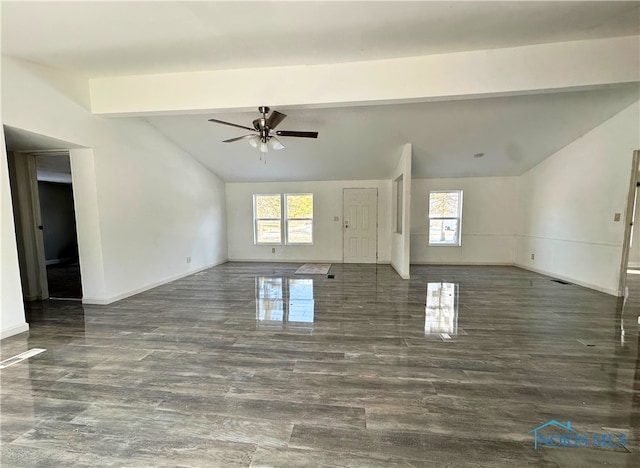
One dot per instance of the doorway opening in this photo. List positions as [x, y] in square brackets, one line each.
[55, 193]
[45, 224]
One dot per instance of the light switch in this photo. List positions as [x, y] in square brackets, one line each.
[616, 217]
[336, 218]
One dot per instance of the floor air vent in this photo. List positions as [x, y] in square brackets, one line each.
[560, 281]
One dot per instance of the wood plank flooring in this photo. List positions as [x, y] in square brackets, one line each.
[252, 365]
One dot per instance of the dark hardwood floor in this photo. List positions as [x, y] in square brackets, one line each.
[252, 365]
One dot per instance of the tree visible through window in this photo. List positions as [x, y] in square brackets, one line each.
[268, 216]
[299, 218]
[445, 217]
[268, 219]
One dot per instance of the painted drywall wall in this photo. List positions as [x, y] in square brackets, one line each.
[401, 238]
[58, 221]
[155, 204]
[12, 318]
[327, 232]
[503, 71]
[489, 220]
[567, 205]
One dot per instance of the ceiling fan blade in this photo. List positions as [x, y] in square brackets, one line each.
[289, 133]
[231, 124]
[274, 119]
[231, 140]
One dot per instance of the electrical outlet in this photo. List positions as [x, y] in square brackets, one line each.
[188, 259]
[273, 250]
[533, 256]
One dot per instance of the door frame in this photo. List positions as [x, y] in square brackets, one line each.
[634, 179]
[377, 217]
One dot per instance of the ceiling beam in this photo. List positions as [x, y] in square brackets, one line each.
[518, 70]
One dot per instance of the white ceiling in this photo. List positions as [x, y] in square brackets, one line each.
[515, 133]
[121, 38]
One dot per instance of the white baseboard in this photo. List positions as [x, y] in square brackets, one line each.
[263, 260]
[401, 275]
[110, 300]
[612, 292]
[15, 330]
[465, 263]
[279, 260]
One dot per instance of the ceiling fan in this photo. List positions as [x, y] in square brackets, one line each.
[264, 132]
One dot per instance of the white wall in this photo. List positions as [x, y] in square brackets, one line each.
[150, 204]
[489, 218]
[12, 319]
[568, 202]
[327, 233]
[400, 241]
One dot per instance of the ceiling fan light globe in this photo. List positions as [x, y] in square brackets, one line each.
[264, 148]
[254, 142]
[275, 144]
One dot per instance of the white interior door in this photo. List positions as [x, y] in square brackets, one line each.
[360, 214]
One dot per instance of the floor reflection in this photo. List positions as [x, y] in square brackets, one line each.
[441, 311]
[284, 301]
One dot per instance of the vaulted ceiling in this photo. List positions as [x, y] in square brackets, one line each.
[514, 131]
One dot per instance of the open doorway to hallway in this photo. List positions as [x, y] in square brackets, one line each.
[44, 212]
[55, 193]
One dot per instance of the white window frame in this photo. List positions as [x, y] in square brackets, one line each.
[256, 219]
[285, 218]
[458, 242]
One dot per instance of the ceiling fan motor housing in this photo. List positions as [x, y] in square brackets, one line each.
[262, 128]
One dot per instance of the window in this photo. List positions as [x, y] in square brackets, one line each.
[299, 218]
[445, 217]
[267, 213]
[268, 219]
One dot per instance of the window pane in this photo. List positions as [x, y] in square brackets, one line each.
[299, 206]
[443, 231]
[444, 205]
[268, 206]
[268, 232]
[300, 231]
